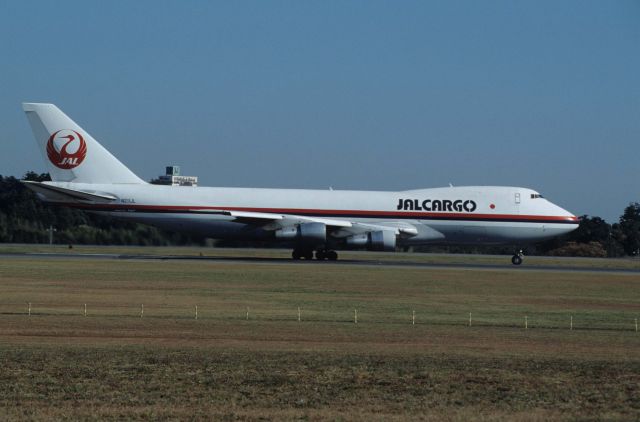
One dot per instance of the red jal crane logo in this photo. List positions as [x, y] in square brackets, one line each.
[66, 149]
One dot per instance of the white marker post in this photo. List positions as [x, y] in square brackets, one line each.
[413, 317]
[355, 316]
[636, 325]
[299, 314]
[571, 323]
[526, 322]
[142, 310]
[85, 309]
[29, 310]
[469, 319]
[247, 313]
[196, 311]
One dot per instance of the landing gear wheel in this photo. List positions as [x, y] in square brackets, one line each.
[302, 253]
[517, 257]
[321, 255]
[332, 255]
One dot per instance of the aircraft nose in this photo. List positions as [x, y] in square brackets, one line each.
[565, 221]
[571, 221]
[570, 216]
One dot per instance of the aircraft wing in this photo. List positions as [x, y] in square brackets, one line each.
[282, 220]
[338, 228]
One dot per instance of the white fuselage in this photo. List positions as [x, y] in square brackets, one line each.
[458, 215]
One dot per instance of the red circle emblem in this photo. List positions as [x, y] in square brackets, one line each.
[66, 149]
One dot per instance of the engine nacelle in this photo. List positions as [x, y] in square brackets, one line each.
[382, 240]
[309, 233]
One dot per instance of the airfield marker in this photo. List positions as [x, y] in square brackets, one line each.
[85, 309]
[142, 310]
[469, 319]
[355, 316]
[571, 323]
[247, 313]
[526, 323]
[29, 309]
[413, 317]
[636, 325]
[196, 311]
[298, 314]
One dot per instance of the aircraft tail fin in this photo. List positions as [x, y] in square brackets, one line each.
[71, 154]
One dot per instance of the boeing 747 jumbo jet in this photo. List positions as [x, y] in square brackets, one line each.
[86, 176]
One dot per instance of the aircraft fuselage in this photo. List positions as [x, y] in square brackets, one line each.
[491, 215]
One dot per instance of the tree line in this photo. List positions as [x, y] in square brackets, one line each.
[25, 219]
[595, 237]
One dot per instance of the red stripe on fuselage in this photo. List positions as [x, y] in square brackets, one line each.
[319, 212]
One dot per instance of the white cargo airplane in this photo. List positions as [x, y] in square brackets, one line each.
[86, 176]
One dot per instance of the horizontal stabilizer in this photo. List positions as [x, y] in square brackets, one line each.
[57, 194]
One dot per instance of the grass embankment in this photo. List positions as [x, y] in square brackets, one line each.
[115, 364]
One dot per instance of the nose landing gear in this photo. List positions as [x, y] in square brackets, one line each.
[517, 258]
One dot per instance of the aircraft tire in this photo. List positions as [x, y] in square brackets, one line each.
[516, 260]
[332, 255]
[321, 255]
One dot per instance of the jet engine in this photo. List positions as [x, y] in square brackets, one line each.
[310, 233]
[382, 240]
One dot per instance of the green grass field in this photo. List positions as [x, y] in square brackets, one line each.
[115, 364]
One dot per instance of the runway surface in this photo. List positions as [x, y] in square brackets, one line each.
[507, 266]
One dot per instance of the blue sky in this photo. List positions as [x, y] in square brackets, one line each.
[379, 95]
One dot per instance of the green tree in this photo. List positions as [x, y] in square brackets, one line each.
[32, 176]
[591, 229]
[630, 229]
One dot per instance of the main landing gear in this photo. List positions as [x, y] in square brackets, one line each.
[302, 253]
[517, 258]
[321, 254]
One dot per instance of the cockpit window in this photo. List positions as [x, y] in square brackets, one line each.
[536, 196]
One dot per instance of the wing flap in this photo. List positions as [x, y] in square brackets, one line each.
[273, 221]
